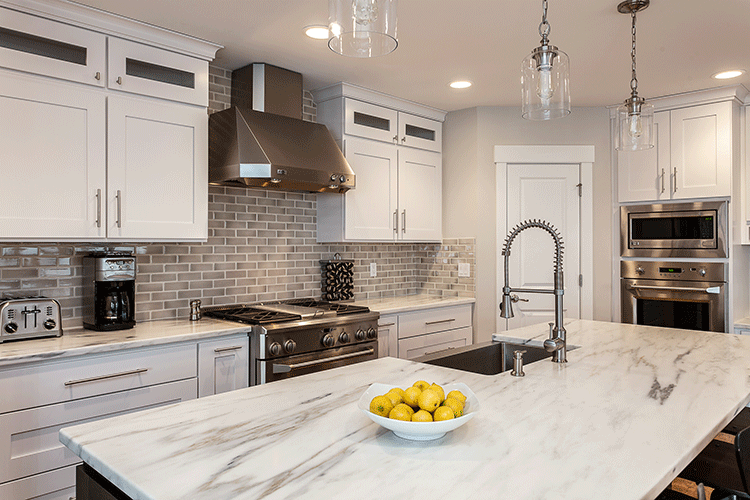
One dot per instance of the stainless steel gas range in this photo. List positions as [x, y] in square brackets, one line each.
[301, 336]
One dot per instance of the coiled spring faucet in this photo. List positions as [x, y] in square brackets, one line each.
[556, 341]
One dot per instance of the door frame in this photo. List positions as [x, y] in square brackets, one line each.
[579, 155]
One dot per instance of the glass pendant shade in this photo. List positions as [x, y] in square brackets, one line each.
[545, 84]
[362, 28]
[635, 125]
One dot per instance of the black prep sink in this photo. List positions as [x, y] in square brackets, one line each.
[488, 358]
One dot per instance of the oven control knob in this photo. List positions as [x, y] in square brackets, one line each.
[50, 324]
[11, 328]
[639, 270]
[328, 340]
[344, 338]
[702, 272]
[289, 346]
[360, 335]
[372, 333]
[275, 349]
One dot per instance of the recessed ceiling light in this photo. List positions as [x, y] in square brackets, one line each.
[725, 75]
[317, 32]
[461, 84]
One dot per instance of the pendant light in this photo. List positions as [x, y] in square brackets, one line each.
[635, 117]
[362, 28]
[545, 79]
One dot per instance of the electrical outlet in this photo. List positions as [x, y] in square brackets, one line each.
[464, 270]
[373, 270]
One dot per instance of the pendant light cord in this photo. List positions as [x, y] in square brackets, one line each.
[544, 27]
[633, 80]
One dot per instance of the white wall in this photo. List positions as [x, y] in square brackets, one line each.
[469, 138]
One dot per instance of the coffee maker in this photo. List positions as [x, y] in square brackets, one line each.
[108, 291]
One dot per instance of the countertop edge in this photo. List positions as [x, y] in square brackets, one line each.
[410, 303]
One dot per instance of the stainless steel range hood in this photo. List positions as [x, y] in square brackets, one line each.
[252, 148]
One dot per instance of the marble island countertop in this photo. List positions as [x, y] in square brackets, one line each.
[78, 341]
[628, 411]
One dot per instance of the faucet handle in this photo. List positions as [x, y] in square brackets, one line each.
[515, 298]
[518, 364]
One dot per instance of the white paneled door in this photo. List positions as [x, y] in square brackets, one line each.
[546, 192]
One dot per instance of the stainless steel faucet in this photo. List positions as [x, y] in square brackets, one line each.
[556, 341]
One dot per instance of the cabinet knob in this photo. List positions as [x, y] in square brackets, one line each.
[395, 139]
[119, 80]
[98, 76]
[403, 140]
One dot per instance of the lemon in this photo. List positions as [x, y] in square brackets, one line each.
[406, 407]
[398, 390]
[439, 390]
[455, 405]
[429, 400]
[381, 405]
[457, 395]
[400, 412]
[395, 398]
[410, 396]
[421, 384]
[443, 413]
[421, 416]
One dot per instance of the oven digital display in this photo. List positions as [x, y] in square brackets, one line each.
[673, 270]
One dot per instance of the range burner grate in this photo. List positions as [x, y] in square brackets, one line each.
[340, 309]
[252, 316]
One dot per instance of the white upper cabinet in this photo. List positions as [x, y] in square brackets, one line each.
[692, 156]
[395, 155]
[90, 162]
[36, 45]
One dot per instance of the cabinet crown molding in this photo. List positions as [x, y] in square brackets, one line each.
[107, 23]
[352, 91]
[738, 93]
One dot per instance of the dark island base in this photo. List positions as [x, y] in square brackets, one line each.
[90, 485]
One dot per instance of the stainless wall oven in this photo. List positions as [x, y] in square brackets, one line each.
[696, 230]
[690, 295]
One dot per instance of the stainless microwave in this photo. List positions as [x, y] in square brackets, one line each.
[697, 229]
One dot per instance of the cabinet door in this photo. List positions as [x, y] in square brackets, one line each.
[420, 195]
[370, 208]
[157, 170]
[388, 336]
[702, 151]
[223, 365]
[645, 175]
[370, 121]
[141, 69]
[37, 45]
[52, 160]
[417, 132]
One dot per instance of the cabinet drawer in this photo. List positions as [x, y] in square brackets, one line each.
[433, 320]
[91, 376]
[414, 347]
[418, 132]
[370, 121]
[141, 69]
[29, 441]
[37, 45]
[59, 484]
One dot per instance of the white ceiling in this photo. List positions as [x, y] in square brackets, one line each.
[681, 43]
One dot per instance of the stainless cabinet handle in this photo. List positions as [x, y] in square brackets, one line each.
[395, 221]
[280, 368]
[440, 321]
[386, 324]
[98, 76]
[403, 139]
[118, 197]
[662, 180]
[119, 80]
[441, 350]
[403, 222]
[105, 377]
[675, 179]
[226, 349]
[98, 208]
[395, 139]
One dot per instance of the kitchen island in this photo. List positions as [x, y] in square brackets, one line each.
[620, 420]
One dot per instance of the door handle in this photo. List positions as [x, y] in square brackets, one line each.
[118, 197]
[282, 368]
[439, 321]
[715, 290]
[105, 377]
[98, 208]
[403, 221]
[227, 349]
[662, 180]
[395, 221]
[675, 180]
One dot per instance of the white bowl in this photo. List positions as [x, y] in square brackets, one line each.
[420, 431]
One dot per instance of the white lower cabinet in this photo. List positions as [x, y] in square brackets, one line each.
[408, 335]
[223, 365]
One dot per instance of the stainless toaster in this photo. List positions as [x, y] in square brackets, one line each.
[29, 318]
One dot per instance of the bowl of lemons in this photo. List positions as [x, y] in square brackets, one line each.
[421, 412]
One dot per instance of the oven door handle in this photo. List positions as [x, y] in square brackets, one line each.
[713, 290]
[282, 368]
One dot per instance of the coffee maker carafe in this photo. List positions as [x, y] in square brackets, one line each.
[109, 292]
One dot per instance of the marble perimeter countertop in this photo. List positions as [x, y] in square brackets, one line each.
[620, 420]
[406, 303]
[78, 341]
